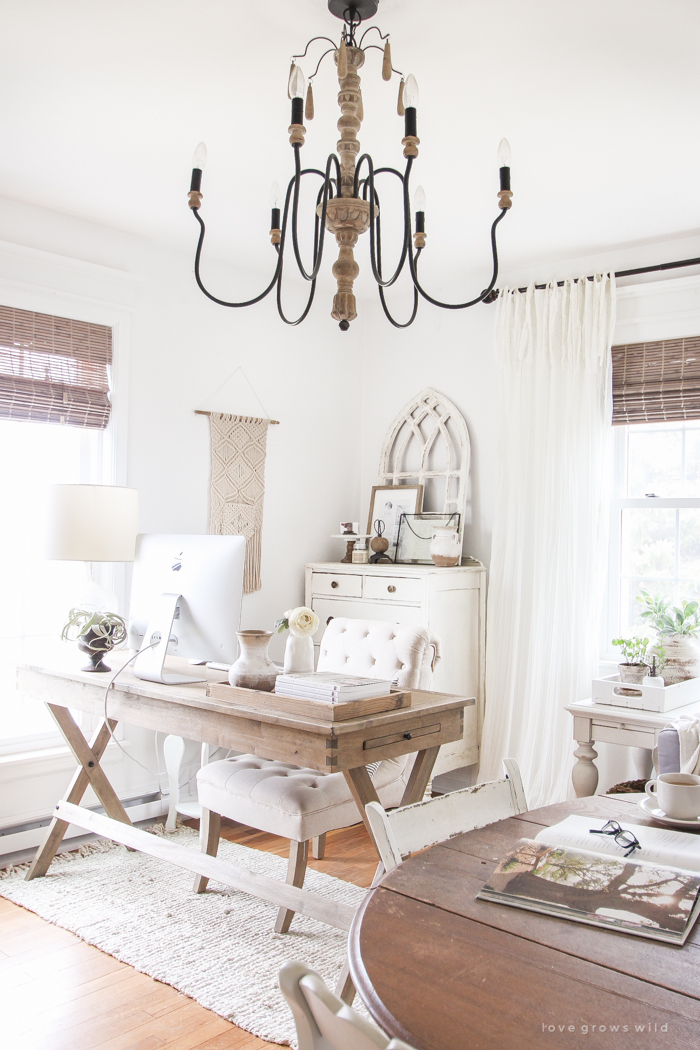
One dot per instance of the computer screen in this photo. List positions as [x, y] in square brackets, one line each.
[190, 587]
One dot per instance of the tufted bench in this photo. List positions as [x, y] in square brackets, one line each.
[303, 804]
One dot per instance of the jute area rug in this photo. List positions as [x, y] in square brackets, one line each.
[217, 947]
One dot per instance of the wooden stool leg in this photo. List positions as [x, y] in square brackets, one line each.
[319, 846]
[296, 870]
[209, 833]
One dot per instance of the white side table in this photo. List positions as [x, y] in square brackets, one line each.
[616, 725]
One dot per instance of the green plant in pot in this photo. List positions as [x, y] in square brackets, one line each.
[634, 666]
[677, 627]
[96, 633]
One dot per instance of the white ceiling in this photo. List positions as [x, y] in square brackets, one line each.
[103, 102]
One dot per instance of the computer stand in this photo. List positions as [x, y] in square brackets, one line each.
[149, 664]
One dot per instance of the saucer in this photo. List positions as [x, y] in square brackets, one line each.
[647, 806]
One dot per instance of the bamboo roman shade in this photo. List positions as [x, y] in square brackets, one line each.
[53, 369]
[654, 382]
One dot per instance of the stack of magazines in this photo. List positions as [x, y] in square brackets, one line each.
[573, 871]
[330, 687]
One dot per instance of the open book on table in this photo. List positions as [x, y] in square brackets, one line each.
[569, 872]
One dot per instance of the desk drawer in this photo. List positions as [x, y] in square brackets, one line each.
[339, 584]
[393, 588]
[398, 737]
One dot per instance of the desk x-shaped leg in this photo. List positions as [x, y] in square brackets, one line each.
[89, 773]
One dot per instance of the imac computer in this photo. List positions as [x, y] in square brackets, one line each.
[188, 590]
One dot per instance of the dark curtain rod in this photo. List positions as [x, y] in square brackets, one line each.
[631, 273]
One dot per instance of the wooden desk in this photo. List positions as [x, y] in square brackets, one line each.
[444, 971]
[432, 720]
[628, 726]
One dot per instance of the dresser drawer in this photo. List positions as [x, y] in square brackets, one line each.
[393, 588]
[340, 584]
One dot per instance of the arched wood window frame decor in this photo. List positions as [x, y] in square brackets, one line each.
[446, 425]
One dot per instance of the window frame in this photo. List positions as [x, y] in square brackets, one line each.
[619, 503]
[52, 298]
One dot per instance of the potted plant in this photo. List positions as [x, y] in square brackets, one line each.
[677, 627]
[634, 666]
[96, 634]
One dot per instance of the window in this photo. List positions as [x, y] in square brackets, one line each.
[54, 412]
[655, 519]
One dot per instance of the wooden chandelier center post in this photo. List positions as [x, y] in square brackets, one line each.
[346, 216]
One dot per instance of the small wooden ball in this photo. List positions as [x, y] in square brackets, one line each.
[379, 544]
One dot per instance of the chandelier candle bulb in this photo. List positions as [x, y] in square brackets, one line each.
[386, 62]
[410, 101]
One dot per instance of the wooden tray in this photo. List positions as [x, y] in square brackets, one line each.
[314, 708]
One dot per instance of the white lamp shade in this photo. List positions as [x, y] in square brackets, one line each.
[91, 523]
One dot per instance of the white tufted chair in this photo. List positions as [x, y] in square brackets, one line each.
[303, 804]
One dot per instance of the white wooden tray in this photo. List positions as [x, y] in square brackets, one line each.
[611, 690]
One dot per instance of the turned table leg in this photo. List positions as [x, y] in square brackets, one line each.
[584, 775]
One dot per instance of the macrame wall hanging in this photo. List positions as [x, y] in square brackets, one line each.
[237, 485]
[238, 447]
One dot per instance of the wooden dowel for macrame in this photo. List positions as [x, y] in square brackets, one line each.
[247, 419]
[386, 63]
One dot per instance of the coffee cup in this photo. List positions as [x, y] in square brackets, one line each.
[676, 794]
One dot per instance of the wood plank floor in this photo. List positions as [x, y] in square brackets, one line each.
[59, 993]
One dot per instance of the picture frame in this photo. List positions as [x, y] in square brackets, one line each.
[415, 535]
[387, 503]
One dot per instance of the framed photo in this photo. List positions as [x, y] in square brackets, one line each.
[387, 504]
[416, 533]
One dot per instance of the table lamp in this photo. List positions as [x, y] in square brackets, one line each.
[92, 523]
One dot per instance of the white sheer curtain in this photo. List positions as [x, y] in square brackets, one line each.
[550, 527]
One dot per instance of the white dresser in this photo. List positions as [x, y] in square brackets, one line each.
[450, 602]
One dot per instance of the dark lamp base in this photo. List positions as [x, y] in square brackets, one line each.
[96, 664]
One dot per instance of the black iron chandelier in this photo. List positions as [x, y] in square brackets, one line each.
[347, 202]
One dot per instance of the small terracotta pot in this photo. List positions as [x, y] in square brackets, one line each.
[633, 673]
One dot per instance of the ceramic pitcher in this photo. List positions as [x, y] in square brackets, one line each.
[445, 548]
[254, 669]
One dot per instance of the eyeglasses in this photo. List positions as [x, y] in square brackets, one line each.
[625, 839]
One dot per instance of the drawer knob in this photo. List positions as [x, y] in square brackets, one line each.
[408, 736]
[334, 584]
[391, 588]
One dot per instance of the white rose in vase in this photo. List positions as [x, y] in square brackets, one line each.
[302, 622]
[299, 652]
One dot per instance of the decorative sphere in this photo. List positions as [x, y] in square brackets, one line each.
[379, 544]
[344, 325]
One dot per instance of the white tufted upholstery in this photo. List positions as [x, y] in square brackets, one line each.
[303, 804]
[375, 649]
[285, 800]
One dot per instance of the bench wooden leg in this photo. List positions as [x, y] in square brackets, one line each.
[209, 835]
[296, 870]
[319, 846]
[88, 772]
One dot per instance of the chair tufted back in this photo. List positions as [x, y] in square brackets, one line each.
[376, 649]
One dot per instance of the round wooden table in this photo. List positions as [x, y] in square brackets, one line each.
[444, 971]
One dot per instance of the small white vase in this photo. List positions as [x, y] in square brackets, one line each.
[254, 669]
[445, 548]
[298, 654]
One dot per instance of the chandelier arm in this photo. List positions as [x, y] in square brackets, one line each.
[318, 64]
[314, 38]
[414, 275]
[388, 316]
[222, 302]
[296, 184]
[374, 218]
[281, 245]
[382, 36]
